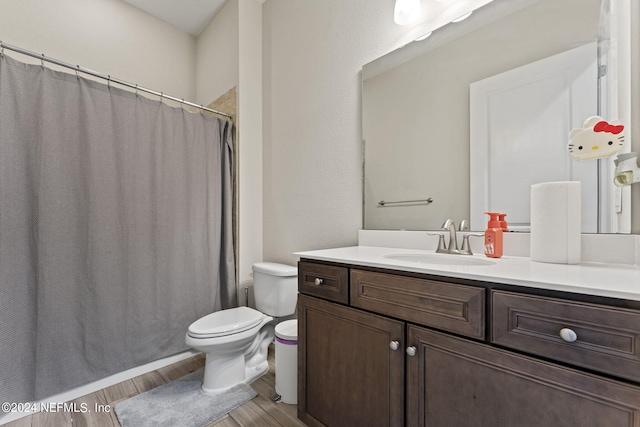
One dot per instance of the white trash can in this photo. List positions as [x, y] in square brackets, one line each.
[287, 361]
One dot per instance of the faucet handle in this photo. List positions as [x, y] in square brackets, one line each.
[464, 225]
[442, 248]
[466, 247]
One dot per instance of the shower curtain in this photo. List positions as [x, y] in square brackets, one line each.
[115, 228]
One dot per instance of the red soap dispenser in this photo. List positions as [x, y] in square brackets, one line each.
[493, 236]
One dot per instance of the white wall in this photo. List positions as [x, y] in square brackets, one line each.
[217, 55]
[249, 172]
[107, 36]
[229, 53]
[313, 53]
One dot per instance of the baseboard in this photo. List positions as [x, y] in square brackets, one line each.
[99, 385]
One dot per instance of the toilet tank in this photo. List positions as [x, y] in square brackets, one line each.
[275, 287]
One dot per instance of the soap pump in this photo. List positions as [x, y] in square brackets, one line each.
[503, 222]
[493, 236]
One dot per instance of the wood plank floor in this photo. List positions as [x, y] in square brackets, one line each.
[261, 411]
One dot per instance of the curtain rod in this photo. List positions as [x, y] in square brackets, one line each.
[110, 79]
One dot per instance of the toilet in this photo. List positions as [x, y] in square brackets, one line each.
[236, 340]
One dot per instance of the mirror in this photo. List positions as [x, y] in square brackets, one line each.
[416, 113]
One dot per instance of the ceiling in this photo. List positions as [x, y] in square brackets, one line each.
[191, 16]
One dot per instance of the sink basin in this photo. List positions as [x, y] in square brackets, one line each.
[440, 259]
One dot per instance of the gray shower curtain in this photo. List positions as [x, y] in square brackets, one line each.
[115, 228]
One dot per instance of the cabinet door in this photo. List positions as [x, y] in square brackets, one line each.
[348, 374]
[456, 382]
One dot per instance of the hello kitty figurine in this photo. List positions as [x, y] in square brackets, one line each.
[596, 140]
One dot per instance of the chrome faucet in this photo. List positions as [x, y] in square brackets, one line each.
[452, 247]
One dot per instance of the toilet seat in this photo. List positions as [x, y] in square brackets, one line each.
[225, 322]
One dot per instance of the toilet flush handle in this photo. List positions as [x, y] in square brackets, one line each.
[318, 281]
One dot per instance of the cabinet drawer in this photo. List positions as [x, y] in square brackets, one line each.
[607, 338]
[454, 308]
[324, 281]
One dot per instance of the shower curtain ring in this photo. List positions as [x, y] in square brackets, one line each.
[42, 61]
[109, 81]
[182, 103]
[78, 72]
[136, 89]
[1, 49]
[161, 95]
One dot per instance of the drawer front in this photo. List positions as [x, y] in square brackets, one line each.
[607, 339]
[324, 281]
[449, 307]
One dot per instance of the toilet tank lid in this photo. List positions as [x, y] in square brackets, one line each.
[275, 269]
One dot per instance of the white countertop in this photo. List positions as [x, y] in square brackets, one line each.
[602, 279]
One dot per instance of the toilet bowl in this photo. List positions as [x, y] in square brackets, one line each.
[236, 340]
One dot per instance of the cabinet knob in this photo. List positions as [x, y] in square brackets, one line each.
[318, 281]
[411, 351]
[394, 345]
[568, 335]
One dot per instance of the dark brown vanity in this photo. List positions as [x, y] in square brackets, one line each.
[381, 347]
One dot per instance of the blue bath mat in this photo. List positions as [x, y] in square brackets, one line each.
[181, 403]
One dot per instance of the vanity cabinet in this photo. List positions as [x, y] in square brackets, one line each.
[410, 349]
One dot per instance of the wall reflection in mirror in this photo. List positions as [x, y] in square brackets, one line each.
[471, 117]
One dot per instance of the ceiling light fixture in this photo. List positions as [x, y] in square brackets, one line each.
[463, 17]
[424, 36]
[406, 11]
